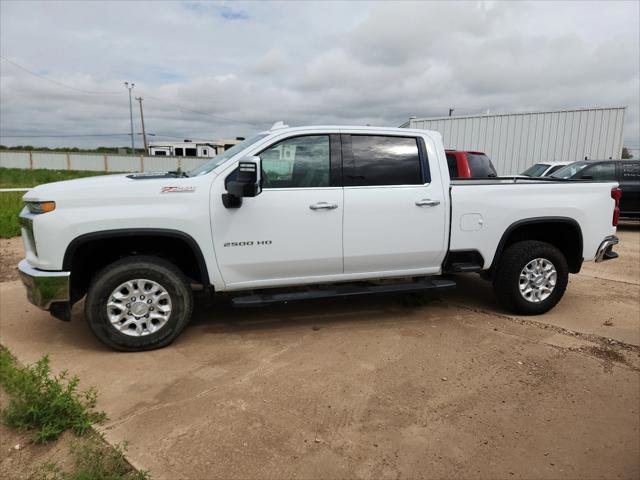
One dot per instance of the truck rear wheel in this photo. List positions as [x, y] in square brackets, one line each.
[531, 277]
[138, 303]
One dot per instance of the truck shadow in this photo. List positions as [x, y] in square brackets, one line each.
[221, 316]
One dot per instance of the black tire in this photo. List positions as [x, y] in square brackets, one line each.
[155, 269]
[506, 278]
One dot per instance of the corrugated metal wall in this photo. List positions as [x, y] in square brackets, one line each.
[516, 141]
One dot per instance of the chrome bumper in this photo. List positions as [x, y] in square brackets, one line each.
[604, 250]
[44, 288]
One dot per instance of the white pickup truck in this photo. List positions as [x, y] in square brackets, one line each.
[295, 213]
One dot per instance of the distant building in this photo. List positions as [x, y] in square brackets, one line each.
[515, 141]
[188, 148]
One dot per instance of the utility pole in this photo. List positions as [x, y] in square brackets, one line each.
[130, 87]
[451, 111]
[144, 133]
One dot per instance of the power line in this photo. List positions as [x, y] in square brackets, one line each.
[199, 112]
[174, 105]
[55, 82]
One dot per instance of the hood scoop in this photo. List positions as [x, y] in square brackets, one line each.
[152, 175]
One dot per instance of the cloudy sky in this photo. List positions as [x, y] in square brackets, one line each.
[217, 69]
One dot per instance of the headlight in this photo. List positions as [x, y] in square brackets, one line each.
[40, 207]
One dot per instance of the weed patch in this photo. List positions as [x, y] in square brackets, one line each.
[94, 459]
[47, 404]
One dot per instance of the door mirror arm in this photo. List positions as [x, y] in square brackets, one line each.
[248, 183]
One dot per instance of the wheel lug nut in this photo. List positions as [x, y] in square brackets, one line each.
[149, 301]
[141, 297]
[129, 313]
[146, 316]
[151, 309]
[128, 305]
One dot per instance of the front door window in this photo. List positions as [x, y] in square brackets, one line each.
[299, 162]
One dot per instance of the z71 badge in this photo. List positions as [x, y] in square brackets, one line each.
[177, 189]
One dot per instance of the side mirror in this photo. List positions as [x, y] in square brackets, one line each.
[248, 182]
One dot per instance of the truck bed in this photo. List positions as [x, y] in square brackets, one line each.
[482, 210]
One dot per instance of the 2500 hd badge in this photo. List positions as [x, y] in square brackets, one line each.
[249, 243]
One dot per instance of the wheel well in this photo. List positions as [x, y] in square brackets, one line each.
[565, 234]
[90, 253]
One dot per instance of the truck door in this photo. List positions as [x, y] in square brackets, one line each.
[394, 206]
[292, 231]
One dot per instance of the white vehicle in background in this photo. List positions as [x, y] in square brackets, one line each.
[298, 213]
[543, 169]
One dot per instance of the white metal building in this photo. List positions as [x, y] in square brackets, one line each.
[515, 141]
[188, 148]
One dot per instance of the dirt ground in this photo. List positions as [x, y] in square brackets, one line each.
[374, 387]
[11, 252]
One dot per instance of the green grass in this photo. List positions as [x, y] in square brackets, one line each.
[94, 459]
[21, 178]
[10, 206]
[11, 202]
[44, 403]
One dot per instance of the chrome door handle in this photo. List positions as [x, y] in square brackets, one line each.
[323, 206]
[427, 202]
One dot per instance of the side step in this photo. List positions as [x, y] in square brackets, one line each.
[347, 290]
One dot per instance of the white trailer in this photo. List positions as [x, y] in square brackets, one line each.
[189, 148]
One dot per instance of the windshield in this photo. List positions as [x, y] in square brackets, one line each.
[226, 155]
[535, 170]
[570, 170]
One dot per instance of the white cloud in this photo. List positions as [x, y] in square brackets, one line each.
[248, 64]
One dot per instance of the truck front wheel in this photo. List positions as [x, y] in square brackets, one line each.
[138, 303]
[531, 277]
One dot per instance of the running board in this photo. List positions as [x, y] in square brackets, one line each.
[348, 290]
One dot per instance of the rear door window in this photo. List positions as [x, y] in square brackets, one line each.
[600, 171]
[480, 166]
[452, 163]
[384, 160]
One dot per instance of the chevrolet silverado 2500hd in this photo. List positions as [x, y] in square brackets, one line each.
[295, 213]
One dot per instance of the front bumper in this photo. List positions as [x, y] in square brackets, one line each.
[44, 288]
[605, 250]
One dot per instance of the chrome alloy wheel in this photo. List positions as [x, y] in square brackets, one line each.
[139, 307]
[537, 280]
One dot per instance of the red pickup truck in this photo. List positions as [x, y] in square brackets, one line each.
[467, 164]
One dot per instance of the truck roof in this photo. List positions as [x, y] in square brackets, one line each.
[279, 127]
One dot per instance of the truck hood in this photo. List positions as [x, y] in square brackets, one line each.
[111, 188]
